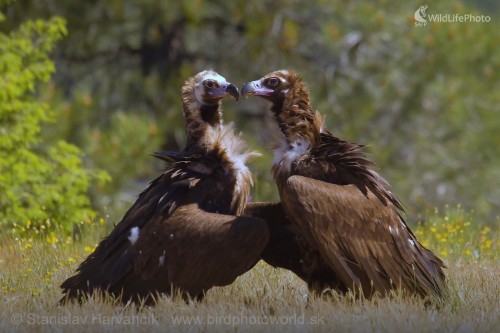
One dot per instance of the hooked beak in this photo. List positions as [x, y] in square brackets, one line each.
[232, 90]
[225, 89]
[255, 88]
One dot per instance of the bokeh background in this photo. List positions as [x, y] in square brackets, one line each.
[425, 100]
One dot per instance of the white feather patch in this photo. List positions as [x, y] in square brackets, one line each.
[172, 207]
[161, 260]
[134, 235]
[162, 197]
[211, 75]
[236, 152]
[285, 154]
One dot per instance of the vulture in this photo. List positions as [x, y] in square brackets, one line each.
[184, 233]
[338, 226]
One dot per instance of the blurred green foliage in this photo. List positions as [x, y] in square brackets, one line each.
[425, 99]
[40, 183]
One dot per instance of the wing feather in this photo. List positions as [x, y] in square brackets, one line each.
[283, 249]
[201, 249]
[364, 240]
[178, 243]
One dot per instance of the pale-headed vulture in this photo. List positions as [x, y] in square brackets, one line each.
[338, 226]
[184, 232]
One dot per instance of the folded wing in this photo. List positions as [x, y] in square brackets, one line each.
[364, 241]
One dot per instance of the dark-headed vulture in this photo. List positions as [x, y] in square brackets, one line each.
[184, 232]
[343, 229]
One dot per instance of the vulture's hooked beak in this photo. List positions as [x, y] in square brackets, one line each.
[232, 90]
[225, 89]
[255, 88]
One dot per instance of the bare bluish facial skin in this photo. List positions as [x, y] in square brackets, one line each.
[211, 87]
[255, 88]
[269, 86]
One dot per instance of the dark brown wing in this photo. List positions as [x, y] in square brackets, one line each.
[198, 250]
[166, 238]
[192, 251]
[110, 266]
[345, 163]
[283, 249]
[365, 242]
[288, 249]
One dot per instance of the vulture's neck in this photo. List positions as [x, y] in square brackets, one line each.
[207, 134]
[295, 116]
[203, 123]
[300, 128]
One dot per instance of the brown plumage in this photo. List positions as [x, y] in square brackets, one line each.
[183, 233]
[338, 226]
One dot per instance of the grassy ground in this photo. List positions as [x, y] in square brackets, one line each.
[264, 299]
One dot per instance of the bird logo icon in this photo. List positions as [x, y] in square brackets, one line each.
[420, 16]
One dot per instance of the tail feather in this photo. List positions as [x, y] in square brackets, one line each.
[98, 274]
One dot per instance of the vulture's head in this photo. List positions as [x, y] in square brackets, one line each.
[277, 86]
[291, 105]
[208, 88]
[201, 97]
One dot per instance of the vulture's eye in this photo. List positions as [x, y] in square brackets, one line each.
[272, 82]
[209, 84]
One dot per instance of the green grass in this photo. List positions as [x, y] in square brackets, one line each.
[264, 299]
